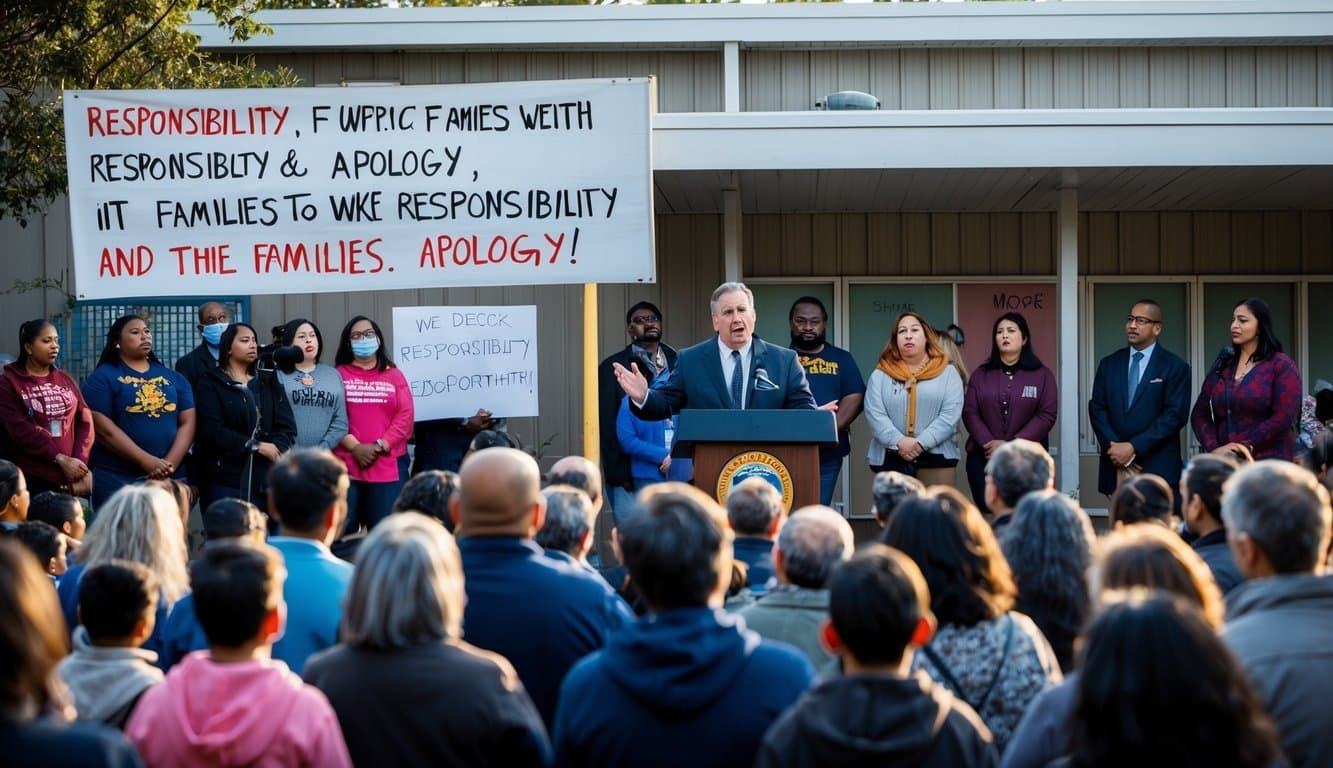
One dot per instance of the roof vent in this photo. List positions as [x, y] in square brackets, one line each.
[848, 100]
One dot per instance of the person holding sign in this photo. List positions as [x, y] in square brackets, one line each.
[315, 390]
[1252, 395]
[245, 421]
[912, 403]
[380, 413]
[48, 426]
[143, 411]
[1011, 395]
[731, 370]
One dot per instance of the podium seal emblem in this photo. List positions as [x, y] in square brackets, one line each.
[766, 466]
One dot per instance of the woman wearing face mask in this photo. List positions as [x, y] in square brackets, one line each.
[379, 421]
[245, 421]
[143, 411]
[47, 425]
[1252, 396]
[1009, 396]
[912, 403]
[315, 390]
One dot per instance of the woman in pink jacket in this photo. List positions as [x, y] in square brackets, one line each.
[379, 421]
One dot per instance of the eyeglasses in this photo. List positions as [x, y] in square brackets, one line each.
[644, 319]
[1139, 320]
[313, 337]
[362, 336]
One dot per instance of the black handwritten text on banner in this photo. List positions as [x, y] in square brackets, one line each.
[459, 359]
[345, 189]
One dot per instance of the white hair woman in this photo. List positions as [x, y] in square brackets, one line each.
[407, 689]
[142, 524]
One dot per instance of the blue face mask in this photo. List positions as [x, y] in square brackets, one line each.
[213, 333]
[365, 347]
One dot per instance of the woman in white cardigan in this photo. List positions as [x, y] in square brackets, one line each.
[913, 402]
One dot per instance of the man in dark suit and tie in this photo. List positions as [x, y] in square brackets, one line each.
[1140, 401]
[731, 370]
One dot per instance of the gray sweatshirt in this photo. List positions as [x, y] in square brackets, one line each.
[320, 408]
[104, 680]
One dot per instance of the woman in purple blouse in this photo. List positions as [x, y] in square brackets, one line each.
[1252, 396]
[1009, 396]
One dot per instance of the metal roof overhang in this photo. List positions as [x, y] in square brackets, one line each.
[1181, 159]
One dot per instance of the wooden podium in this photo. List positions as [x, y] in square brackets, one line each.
[780, 446]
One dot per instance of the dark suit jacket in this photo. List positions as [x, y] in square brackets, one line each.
[1152, 423]
[195, 364]
[698, 382]
[615, 462]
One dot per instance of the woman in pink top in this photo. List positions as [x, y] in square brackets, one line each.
[379, 421]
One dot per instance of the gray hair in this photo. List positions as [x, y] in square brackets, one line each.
[752, 507]
[1049, 548]
[1283, 509]
[812, 542]
[1019, 467]
[407, 588]
[569, 517]
[142, 524]
[729, 288]
[890, 489]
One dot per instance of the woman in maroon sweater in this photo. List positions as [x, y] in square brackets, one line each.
[1009, 396]
[48, 426]
[1252, 396]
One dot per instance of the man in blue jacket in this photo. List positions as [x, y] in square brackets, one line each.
[687, 685]
[541, 614]
[731, 370]
[307, 493]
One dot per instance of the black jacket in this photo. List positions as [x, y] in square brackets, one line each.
[615, 462]
[226, 420]
[195, 364]
[876, 720]
[436, 704]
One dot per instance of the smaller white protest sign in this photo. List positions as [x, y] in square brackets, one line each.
[460, 359]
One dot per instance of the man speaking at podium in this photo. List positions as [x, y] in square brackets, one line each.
[731, 370]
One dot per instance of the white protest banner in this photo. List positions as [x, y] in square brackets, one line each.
[280, 190]
[459, 359]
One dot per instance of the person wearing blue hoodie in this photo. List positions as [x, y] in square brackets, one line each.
[687, 684]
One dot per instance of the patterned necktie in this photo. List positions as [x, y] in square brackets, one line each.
[1134, 374]
[737, 378]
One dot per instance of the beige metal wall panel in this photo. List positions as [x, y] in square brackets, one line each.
[1043, 78]
[1008, 78]
[687, 81]
[898, 243]
[1317, 241]
[1206, 242]
[915, 71]
[1038, 78]
[1101, 78]
[1067, 72]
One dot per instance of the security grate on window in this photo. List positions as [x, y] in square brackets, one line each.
[172, 322]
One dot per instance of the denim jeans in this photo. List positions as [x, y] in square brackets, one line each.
[369, 503]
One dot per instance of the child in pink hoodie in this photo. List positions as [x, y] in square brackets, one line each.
[233, 704]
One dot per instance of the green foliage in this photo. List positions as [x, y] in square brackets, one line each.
[53, 45]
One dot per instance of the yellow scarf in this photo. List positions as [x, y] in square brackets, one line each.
[899, 370]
